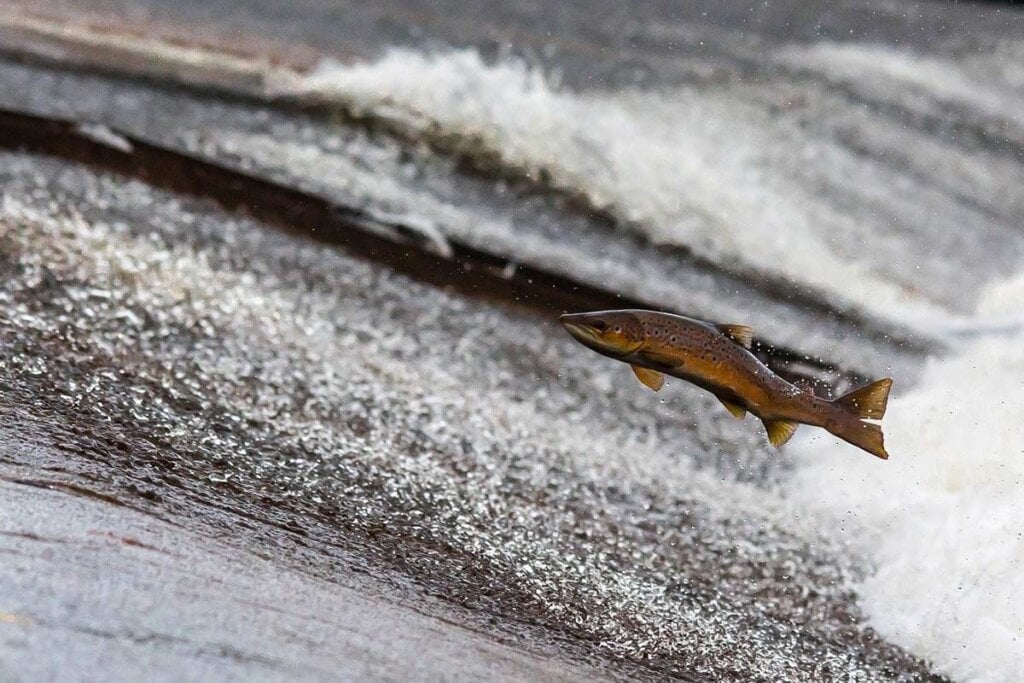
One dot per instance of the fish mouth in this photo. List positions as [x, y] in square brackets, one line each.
[578, 329]
[591, 337]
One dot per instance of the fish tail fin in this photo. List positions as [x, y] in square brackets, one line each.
[865, 435]
[866, 403]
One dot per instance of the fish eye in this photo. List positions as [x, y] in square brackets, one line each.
[617, 329]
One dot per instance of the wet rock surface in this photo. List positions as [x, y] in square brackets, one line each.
[95, 587]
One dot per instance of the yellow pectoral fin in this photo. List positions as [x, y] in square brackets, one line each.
[739, 412]
[779, 431]
[651, 378]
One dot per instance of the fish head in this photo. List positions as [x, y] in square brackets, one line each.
[612, 333]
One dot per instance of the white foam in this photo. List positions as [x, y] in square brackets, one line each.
[687, 167]
[943, 519]
[1004, 299]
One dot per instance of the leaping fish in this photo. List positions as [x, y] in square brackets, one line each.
[717, 358]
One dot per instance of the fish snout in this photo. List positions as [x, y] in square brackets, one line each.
[604, 332]
[576, 325]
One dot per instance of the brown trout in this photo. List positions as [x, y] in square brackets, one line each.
[717, 358]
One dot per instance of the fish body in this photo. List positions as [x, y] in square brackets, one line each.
[717, 358]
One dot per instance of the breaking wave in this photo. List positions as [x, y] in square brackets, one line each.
[715, 170]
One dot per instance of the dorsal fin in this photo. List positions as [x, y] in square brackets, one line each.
[867, 402]
[741, 334]
[739, 412]
[651, 378]
[779, 431]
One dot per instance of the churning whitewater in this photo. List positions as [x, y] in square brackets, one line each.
[941, 520]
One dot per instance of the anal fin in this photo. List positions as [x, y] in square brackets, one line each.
[779, 431]
[739, 412]
[651, 378]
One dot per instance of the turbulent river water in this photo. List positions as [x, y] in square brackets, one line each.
[854, 192]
